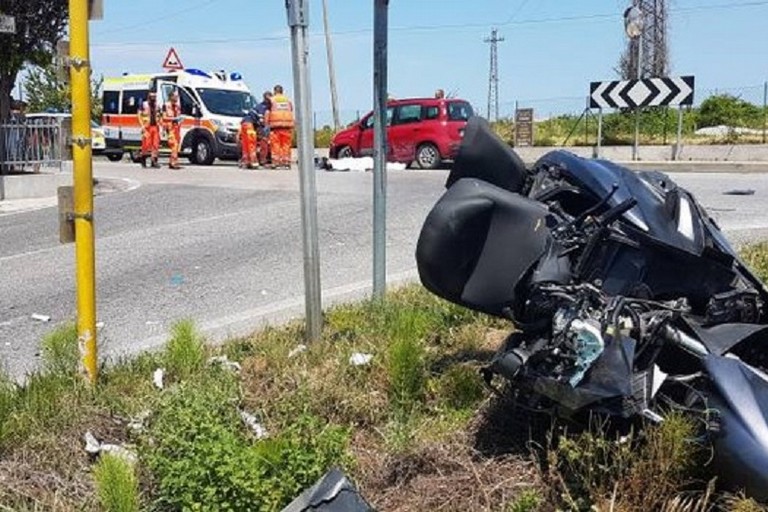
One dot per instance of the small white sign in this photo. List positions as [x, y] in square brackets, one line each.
[7, 24]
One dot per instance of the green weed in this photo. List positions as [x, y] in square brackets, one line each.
[116, 484]
[529, 501]
[60, 352]
[756, 257]
[460, 387]
[185, 350]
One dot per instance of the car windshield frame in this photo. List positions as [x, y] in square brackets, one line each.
[220, 101]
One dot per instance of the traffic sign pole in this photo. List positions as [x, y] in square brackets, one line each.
[298, 21]
[380, 27]
[85, 253]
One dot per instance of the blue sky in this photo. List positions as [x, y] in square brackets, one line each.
[552, 48]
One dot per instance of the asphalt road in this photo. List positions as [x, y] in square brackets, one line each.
[223, 246]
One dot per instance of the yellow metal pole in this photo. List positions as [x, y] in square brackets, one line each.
[85, 255]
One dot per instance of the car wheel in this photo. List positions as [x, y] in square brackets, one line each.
[114, 157]
[345, 152]
[428, 156]
[202, 152]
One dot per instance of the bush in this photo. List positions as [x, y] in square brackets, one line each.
[200, 458]
[116, 484]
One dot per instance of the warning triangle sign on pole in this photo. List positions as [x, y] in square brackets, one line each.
[172, 61]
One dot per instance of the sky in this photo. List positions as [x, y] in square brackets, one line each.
[552, 49]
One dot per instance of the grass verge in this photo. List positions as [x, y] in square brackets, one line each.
[392, 394]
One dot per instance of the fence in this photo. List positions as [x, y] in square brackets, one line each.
[29, 145]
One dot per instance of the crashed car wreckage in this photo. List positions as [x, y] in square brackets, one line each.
[627, 299]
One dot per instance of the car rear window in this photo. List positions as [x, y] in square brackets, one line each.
[431, 112]
[459, 111]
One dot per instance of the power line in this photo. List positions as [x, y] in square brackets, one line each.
[427, 28]
[160, 19]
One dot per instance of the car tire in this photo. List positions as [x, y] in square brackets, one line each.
[345, 152]
[114, 157]
[428, 156]
[202, 152]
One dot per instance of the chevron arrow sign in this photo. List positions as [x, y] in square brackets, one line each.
[648, 92]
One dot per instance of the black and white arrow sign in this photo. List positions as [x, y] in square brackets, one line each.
[648, 92]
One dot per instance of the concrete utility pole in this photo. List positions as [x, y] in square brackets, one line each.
[298, 21]
[85, 252]
[380, 28]
[331, 68]
[493, 75]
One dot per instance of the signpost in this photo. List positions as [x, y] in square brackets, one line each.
[7, 24]
[523, 127]
[380, 41]
[298, 21]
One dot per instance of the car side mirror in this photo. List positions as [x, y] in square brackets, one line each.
[196, 112]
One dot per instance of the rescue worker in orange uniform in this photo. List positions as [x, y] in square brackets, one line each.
[262, 129]
[248, 141]
[280, 121]
[149, 120]
[172, 120]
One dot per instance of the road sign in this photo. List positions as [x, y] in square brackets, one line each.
[648, 92]
[524, 127]
[172, 61]
[7, 24]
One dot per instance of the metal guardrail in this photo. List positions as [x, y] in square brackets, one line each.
[33, 144]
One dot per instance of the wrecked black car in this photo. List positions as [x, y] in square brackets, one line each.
[626, 298]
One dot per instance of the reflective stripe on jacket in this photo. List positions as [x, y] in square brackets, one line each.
[281, 113]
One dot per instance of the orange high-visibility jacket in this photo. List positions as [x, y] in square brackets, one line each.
[281, 113]
[149, 116]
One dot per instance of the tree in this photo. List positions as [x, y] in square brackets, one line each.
[39, 26]
[46, 91]
[728, 110]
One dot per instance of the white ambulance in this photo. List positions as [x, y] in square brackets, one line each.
[212, 105]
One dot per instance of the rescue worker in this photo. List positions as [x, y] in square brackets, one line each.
[280, 122]
[248, 140]
[172, 120]
[149, 120]
[262, 128]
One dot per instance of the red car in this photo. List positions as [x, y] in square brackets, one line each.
[424, 130]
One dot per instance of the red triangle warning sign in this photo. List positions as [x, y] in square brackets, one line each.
[172, 61]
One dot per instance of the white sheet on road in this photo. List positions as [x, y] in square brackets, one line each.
[361, 164]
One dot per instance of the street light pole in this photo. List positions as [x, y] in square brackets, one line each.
[636, 148]
[298, 21]
[380, 27]
[634, 24]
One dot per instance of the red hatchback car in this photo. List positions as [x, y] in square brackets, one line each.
[424, 130]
